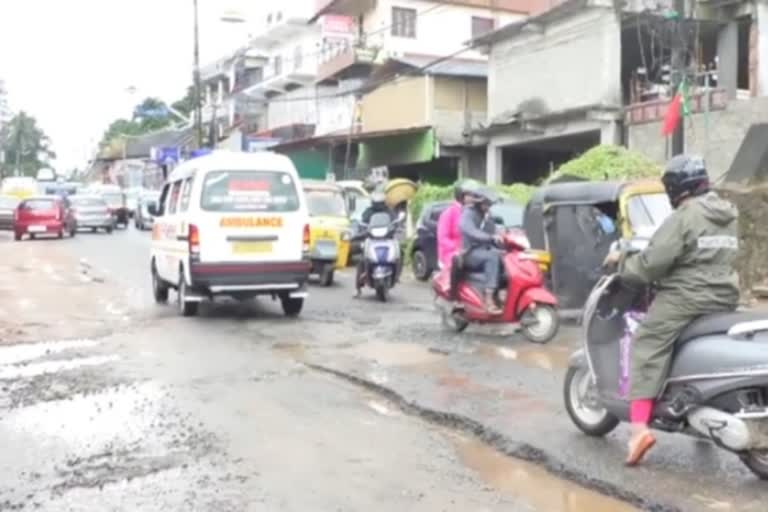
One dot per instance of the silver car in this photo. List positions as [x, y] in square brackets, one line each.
[92, 212]
[142, 218]
[8, 206]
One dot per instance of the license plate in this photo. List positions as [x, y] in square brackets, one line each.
[36, 229]
[251, 247]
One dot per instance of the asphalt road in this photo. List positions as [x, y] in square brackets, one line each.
[355, 406]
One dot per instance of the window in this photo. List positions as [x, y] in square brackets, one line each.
[404, 22]
[326, 203]
[481, 26]
[185, 194]
[173, 205]
[647, 212]
[249, 191]
[278, 65]
[163, 202]
[298, 60]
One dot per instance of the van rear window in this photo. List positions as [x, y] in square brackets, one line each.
[249, 191]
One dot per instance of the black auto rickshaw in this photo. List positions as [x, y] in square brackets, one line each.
[576, 223]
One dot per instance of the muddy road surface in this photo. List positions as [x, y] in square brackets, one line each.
[354, 406]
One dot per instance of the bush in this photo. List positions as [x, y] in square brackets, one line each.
[604, 163]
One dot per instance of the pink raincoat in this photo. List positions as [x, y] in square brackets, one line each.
[449, 234]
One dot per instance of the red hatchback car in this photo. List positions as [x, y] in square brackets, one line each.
[43, 216]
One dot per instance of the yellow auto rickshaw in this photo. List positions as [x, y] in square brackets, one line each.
[576, 223]
[329, 228]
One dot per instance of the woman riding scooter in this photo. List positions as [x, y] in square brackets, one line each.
[448, 232]
[691, 258]
[479, 243]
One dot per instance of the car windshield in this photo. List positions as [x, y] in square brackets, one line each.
[361, 204]
[249, 191]
[113, 199]
[8, 202]
[39, 204]
[646, 212]
[87, 201]
[511, 213]
[326, 203]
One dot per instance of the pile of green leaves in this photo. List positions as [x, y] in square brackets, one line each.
[426, 194]
[606, 162]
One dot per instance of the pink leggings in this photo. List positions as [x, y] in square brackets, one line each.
[640, 411]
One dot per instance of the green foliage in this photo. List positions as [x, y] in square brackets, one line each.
[27, 148]
[432, 193]
[608, 162]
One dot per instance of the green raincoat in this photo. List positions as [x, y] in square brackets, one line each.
[691, 259]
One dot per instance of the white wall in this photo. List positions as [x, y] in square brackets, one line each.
[574, 62]
[441, 31]
[312, 105]
[309, 43]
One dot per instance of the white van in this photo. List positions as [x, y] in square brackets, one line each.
[232, 224]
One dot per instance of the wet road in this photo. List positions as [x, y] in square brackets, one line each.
[354, 406]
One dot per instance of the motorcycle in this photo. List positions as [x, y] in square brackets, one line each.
[381, 255]
[717, 386]
[525, 301]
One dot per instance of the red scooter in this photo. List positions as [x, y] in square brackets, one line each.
[525, 301]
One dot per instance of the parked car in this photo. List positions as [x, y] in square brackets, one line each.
[423, 251]
[92, 212]
[8, 206]
[45, 215]
[143, 218]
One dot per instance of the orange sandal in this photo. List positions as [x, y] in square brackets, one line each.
[639, 448]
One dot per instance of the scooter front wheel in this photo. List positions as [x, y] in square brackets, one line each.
[540, 323]
[582, 406]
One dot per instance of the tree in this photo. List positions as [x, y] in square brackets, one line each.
[150, 115]
[27, 148]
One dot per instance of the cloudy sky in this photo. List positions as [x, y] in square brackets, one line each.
[68, 62]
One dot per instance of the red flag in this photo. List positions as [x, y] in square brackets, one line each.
[673, 115]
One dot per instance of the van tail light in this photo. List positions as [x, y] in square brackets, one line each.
[194, 241]
[306, 238]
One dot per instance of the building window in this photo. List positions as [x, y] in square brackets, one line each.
[404, 22]
[298, 58]
[481, 26]
[278, 65]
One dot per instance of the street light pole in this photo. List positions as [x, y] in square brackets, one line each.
[198, 86]
[678, 71]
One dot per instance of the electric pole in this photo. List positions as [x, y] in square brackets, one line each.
[678, 72]
[198, 87]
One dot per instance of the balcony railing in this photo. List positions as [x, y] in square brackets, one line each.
[654, 110]
[339, 58]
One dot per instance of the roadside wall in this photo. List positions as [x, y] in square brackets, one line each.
[752, 203]
[717, 135]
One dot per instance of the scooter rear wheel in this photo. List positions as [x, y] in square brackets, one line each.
[453, 321]
[757, 462]
[593, 421]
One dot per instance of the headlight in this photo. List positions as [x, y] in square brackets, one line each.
[379, 232]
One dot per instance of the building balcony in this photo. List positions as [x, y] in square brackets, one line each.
[279, 32]
[280, 83]
[349, 61]
[353, 8]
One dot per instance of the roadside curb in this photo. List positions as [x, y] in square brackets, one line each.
[497, 440]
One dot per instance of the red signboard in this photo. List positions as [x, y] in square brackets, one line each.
[338, 24]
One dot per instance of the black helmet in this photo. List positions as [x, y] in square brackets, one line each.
[483, 195]
[463, 187]
[685, 176]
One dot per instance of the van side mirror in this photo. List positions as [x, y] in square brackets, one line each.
[152, 209]
[498, 220]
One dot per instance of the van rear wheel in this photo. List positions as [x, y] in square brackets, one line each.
[186, 308]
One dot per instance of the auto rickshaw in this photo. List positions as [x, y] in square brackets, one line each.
[329, 228]
[576, 223]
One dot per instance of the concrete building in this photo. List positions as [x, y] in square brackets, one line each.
[5, 109]
[372, 115]
[226, 111]
[586, 72]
